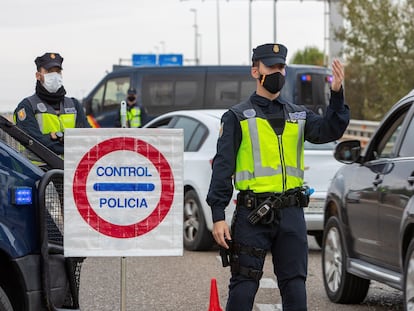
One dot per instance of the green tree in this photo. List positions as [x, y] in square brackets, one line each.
[378, 36]
[309, 56]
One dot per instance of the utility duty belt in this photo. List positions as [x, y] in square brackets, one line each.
[270, 203]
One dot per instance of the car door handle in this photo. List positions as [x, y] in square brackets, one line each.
[411, 179]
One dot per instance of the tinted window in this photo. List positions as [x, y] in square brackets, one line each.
[386, 145]
[185, 93]
[116, 89]
[247, 88]
[198, 138]
[193, 134]
[226, 93]
[227, 89]
[96, 105]
[160, 93]
[314, 91]
[407, 147]
[166, 91]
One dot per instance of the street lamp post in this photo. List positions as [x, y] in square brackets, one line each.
[218, 33]
[195, 37]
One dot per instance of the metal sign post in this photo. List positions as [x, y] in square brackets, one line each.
[123, 284]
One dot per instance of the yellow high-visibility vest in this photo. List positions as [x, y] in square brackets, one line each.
[267, 162]
[47, 118]
[134, 117]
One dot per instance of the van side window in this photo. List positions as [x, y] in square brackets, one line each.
[161, 92]
[227, 89]
[314, 91]
[96, 105]
[115, 92]
[247, 89]
[185, 93]
[166, 91]
[226, 93]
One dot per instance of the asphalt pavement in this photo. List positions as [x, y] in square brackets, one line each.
[183, 284]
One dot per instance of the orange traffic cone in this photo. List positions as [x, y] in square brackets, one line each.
[214, 299]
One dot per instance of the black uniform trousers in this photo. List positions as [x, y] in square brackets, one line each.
[287, 242]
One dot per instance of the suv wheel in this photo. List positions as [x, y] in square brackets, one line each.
[196, 235]
[340, 286]
[409, 278]
[5, 304]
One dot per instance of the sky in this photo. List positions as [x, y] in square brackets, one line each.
[93, 35]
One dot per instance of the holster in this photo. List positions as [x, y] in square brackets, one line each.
[227, 254]
[267, 208]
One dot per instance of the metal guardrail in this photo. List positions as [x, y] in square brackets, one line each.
[361, 130]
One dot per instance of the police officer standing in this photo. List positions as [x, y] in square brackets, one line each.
[261, 145]
[135, 114]
[46, 114]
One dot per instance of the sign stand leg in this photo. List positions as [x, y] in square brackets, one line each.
[123, 284]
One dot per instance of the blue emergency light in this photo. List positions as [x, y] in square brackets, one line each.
[21, 195]
[306, 78]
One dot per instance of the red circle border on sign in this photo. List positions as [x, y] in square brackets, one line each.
[88, 213]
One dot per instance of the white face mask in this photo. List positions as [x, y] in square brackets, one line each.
[52, 81]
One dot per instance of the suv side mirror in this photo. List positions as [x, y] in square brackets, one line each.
[348, 151]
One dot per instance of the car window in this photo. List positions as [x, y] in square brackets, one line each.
[407, 146]
[163, 123]
[197, 139]
[194, 132]
[385, 148]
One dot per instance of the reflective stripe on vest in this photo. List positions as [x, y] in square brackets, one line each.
[267, 162]
[47, 118]
[134, 117]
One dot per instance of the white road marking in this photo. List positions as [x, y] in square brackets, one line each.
[268, 283]
[268, 307]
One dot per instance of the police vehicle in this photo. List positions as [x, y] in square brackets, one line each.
[165, 89]
[34, 274]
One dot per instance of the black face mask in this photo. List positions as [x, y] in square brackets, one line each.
[273, 82]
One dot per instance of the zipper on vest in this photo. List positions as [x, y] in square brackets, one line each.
[282, 161]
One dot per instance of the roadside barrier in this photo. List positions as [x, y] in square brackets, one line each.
[361, 130]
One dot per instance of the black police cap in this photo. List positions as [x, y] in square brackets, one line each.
[49, 60]
[270, 54]
[132, 91]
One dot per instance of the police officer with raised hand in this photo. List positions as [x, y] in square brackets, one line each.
[261, 147]
[46, 114]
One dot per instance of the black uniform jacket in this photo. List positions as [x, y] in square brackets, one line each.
[318, 129]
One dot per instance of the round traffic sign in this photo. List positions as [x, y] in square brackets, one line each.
[80, 189]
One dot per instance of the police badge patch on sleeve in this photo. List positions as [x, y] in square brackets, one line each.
[21, 114]
[299, 115]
